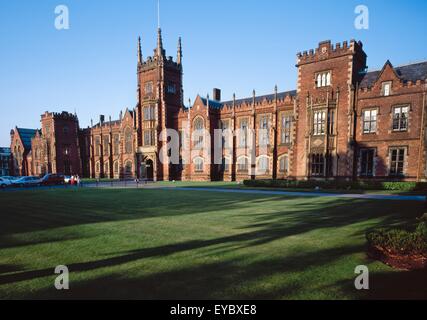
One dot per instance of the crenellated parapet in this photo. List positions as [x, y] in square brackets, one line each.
[326, 50]
[64, 115]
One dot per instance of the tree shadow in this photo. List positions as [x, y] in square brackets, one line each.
[219, 280]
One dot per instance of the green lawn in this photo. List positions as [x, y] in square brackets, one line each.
[172, 244]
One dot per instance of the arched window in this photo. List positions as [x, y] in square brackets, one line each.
[128, 141]
[198, 164]
[199, 126]
[243, 164]
[116, 144]
[328, 79]
[116, 167]
[97, 146]
[263, 164]
[324, 80]
[107, 169]
[284, 164]
[319, 80]
[226, 163]
[128, 167]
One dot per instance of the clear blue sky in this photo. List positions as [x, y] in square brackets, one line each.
[236, 45]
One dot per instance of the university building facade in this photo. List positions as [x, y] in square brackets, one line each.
[341, 122]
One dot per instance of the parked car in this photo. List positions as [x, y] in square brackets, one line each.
[67, 179]
[52, 180]
[5, 182]
[27, 182]
[10, 178]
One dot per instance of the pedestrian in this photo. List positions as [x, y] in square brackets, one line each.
[78, 181]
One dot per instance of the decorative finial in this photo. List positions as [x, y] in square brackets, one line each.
[160, 51]
[179, 55]
[140, 59]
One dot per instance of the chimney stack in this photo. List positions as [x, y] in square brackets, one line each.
[217, 94]
[101, 119]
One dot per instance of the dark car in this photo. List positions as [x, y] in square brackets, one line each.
[52, 180]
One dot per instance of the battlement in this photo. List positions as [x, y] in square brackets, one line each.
[64, 115]
[154, 62]
[326, 50]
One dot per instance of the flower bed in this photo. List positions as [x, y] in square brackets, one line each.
[398, 248]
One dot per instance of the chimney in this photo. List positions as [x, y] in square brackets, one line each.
[101, 119]
[217, 94]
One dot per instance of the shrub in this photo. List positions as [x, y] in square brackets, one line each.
[339, 184]
[400, 241]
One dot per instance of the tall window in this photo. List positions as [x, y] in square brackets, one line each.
[198, 164]
[317, 164]
[149, 113]
[106, 145]
[116, 167]
[284, 164]
[148, 138]
[319, 123]
[116, 144]
[386, 88]
[148, 87]
[243, 139]
[128, 167]
[226, 163]
[171, 88]
[323, 79]
[264, 136]
[400, 118]
[243, 164]
[367, 162]
[263, 164]
[98, 167]
[97, 146]
[397, 161]
[128, 141]
[285, 136]
[227, 139]
[199, 133]
[370, 121]
[107, 169]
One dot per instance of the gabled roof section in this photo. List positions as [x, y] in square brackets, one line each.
[26, 135]
[410, 72]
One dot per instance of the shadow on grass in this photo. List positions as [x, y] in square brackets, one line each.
[229, 279]
[224, 279]
[393, 285]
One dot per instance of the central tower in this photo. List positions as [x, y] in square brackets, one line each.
[160, 97]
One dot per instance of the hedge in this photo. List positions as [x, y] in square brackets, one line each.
[400, 241]
[339, 185]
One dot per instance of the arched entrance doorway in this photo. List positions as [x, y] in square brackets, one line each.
[149, 169]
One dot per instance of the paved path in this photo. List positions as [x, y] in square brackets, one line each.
[306, 194]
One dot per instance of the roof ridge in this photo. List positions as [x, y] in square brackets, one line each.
[399, 66]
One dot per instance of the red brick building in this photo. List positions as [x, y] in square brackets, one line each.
[52, 149]
[341, 122]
